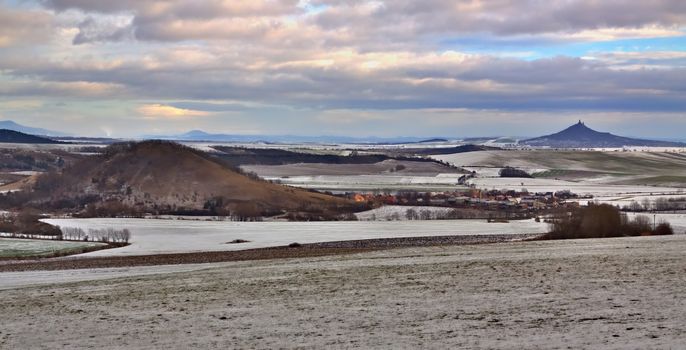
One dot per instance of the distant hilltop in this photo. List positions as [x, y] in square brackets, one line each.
[166, 177]
[11, 125]
[11, 136]
[581, 136]
[199, 135]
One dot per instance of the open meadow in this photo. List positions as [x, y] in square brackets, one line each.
[151, 236]
[370, 183]
[365, 174]
[667, 169]
[621, 293]
[13, 248]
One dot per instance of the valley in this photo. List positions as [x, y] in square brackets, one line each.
[367, 174]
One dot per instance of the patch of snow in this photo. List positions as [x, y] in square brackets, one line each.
[12, 280]
[12, 247]
[551, 185]
[388, 212]
[170, 236]
[441, 182]
[25, 172]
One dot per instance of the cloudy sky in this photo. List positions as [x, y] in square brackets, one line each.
[349, 67]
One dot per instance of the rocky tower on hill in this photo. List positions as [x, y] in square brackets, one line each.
[581, 136]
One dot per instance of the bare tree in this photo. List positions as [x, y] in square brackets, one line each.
[411, 214]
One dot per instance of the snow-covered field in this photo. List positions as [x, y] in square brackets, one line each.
[613, 162]
[69, 147]
[622, 293]
[20, 279]
[440, 182]
[176, 236]
[591, 173]
[581, 188]
[657, 167]
[627, 199]
[483, 158]
[583, 172]
[643, 149]
[390, 167]
[25, 172]
[398, 212]
[14, 248]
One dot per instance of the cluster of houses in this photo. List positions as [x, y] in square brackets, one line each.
[476, 199]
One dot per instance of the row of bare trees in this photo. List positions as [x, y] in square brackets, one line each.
[105, 235]
[659, 204]
[450, 214]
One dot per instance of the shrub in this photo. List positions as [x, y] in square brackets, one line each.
[513, 172]
[640, 225]
[602, 220]
[593, 221]
[664, 228]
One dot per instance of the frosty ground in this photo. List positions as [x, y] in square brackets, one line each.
[183, 236]
[605, 294]
[13, 247]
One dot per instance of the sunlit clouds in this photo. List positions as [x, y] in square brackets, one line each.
[374, 67]
[153, 111]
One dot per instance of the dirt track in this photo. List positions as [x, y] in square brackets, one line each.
[605, 294]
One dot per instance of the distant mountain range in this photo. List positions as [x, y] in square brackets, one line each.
[11, 125]
[581, 136]
[11, 136]
[576, 136]
[199, 135]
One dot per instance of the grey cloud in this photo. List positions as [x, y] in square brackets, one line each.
[179, 20]
[24, 27]
[91, 30]
[369, 23]
[480, 83]
[98, 6]
[503, 17]
[178, 9]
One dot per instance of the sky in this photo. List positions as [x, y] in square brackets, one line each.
[426, 68]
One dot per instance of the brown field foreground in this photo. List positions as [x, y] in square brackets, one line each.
[594, 293]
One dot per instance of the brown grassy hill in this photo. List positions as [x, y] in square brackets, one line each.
[164, 177]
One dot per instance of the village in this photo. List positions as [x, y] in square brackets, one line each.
[503, 201]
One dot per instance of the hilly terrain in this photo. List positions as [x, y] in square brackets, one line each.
[608, 167]
[199, 135]
[11, 136]
[11, 125]
[164, 177]
[581, 136]
[452, 150]
[238, 156]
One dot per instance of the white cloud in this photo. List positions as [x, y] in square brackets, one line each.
[154, 111]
